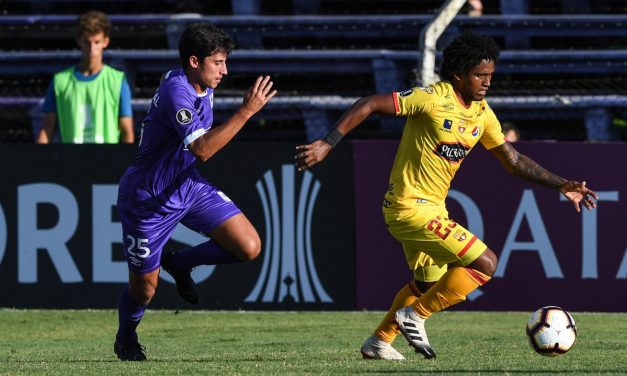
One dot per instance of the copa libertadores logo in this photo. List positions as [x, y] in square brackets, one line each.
[288, 273]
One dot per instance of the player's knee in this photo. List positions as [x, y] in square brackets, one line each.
[143, 294]
[487, 262]
[250, 248]
[142, 290]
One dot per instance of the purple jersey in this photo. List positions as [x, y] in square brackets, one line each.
[164, 167]
[162, 187]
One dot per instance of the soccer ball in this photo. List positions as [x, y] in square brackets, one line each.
[551, 331]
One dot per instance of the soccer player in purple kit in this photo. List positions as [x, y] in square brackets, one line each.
[162, 188]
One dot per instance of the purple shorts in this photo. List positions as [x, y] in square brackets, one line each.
[148, 224]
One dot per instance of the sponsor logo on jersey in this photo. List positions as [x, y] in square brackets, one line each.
[387, 203]
[184, 116]
[453, 152]
[447, 124]
[405, 93]
[448, 107]
[428, 89]
[475, 132]
[477, 114]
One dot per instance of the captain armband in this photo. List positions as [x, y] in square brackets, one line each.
[333, 138]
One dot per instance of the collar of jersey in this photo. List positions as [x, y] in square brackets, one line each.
[81, 77]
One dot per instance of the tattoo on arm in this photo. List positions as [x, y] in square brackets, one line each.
[524, 167]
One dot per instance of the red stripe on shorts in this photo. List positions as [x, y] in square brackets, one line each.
[467, 247]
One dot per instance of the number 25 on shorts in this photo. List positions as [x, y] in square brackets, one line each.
[438, 228]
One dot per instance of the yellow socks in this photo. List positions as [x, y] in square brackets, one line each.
[451, 289]
[387, 330]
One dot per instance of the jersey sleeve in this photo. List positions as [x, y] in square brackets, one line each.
[50, 101]
[182, 116]
[126, 108]
[493, 135]
[413, 101]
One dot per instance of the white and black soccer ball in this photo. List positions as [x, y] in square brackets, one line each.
[551, 331]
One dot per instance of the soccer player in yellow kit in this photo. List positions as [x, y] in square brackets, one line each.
[445, 121]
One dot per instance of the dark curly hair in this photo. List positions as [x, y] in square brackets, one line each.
[202, 40]
[467, 51]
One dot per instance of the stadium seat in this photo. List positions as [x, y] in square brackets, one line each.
[332, 56]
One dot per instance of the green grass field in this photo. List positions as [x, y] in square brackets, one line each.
[66, 342]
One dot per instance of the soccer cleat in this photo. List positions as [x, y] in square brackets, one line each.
[184, 282]
[132, 351]
[375, 348]
[413, 328]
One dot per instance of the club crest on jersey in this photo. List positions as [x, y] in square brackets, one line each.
[405, 93]
[475, 132]
[184, 116]
[460, 235]
[452, 151]
[461, 127]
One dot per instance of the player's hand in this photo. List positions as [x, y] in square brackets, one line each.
[579, 194]
[309, 155]
[258, 95]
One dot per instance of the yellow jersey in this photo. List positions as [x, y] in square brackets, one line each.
[437, 136]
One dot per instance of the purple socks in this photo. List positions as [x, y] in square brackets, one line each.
[129, 314]
[207, 253]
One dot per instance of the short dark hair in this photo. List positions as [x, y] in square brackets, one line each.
[466, 51]
[91, 23]
[202, 40]
[507, 126]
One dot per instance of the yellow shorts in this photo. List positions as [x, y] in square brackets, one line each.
[431, 240]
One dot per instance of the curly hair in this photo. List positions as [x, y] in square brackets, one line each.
[202, 40]
[466, 51]
[91, 23]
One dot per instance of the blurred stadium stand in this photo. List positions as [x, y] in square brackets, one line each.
[397, 32]
[561, 76]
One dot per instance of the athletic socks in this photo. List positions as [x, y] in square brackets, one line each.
[451, 289]
[387, 330]
[207, 253]
[129, 314]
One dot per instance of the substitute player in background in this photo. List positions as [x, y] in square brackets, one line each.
[444, 122]
[162, 186]
[91, 101]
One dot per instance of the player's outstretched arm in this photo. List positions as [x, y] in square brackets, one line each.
[579, 194]
[524, 167]
[255, 98]
[314, 153]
